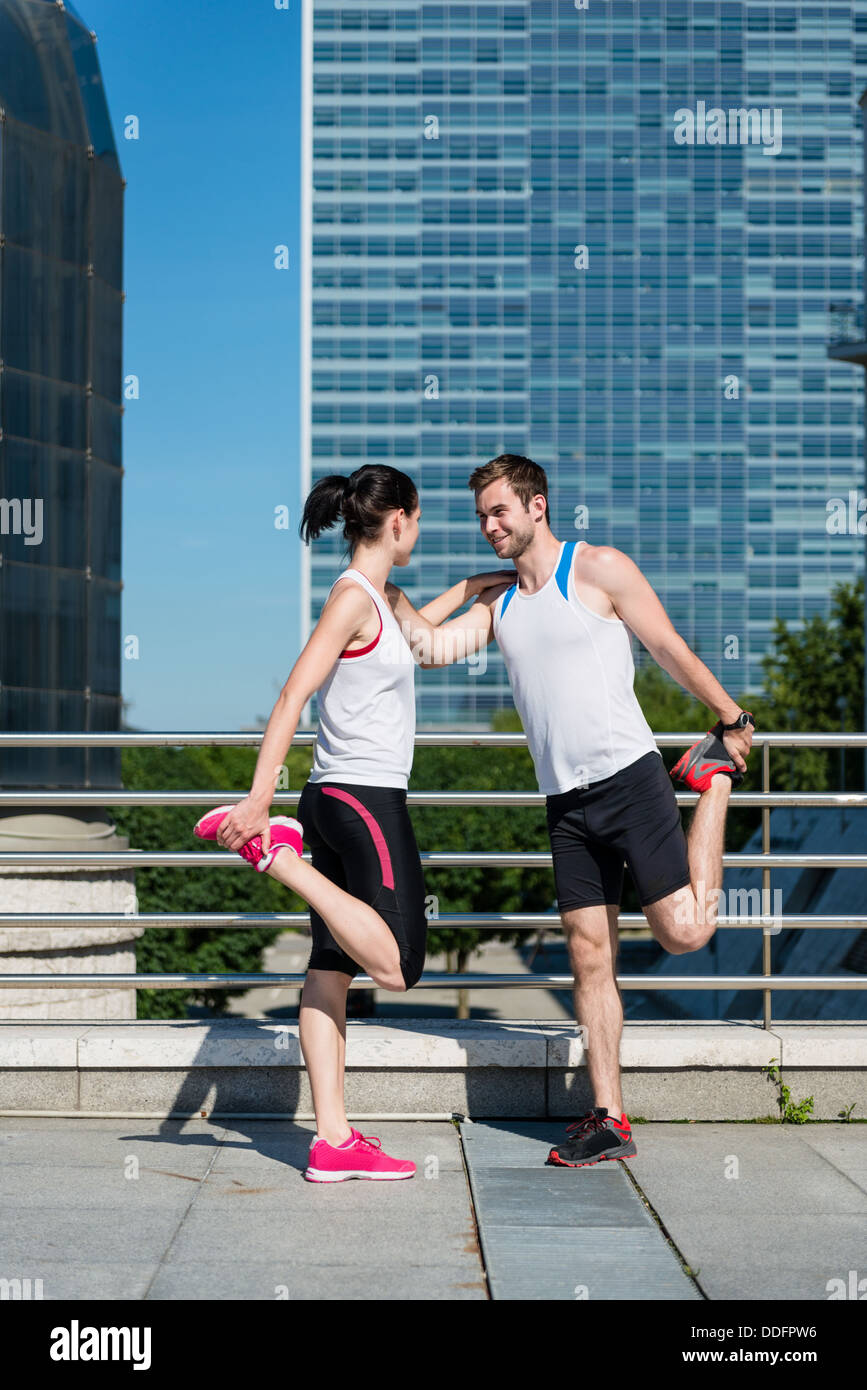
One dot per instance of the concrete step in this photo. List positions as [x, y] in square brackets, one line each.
[428, 1068]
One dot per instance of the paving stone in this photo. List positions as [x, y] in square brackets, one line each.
[551, 1233]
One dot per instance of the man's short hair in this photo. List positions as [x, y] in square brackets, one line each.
[526, 479]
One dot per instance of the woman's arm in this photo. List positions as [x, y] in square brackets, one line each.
[442, 644]
[439, 608]
[344, 613]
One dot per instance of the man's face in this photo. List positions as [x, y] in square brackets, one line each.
[507, 525]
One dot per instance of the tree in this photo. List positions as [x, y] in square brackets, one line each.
[479, 828]
[814, 680]
[196, 950]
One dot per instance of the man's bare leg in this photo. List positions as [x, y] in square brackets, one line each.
[706, 838]
[592, 940]
[686, 919]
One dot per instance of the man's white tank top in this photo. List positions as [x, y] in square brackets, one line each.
[366, 707]
[571, 673]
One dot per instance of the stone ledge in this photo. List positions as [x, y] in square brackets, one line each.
[416, 1043]
[425, 1044]
[675, 1045]
[823, 1044]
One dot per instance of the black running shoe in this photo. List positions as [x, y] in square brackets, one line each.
[604, 1138]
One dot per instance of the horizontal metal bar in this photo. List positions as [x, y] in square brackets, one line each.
[205, 859]
[431, 739]
[110, 797]
[46, 739]
[502, 921]
[433, 981]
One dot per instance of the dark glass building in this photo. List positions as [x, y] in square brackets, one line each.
[61, 264]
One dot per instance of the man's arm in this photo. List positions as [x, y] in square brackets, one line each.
[448, 642]
[636, 603]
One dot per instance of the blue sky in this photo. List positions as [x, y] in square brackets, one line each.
[211, 329]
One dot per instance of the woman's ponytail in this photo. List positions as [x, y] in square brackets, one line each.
[363, 500]
[323, 507]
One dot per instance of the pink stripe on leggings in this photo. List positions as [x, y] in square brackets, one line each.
[373, 827]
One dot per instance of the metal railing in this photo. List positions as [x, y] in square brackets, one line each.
[131, 859]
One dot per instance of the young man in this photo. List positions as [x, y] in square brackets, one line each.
[564, 629]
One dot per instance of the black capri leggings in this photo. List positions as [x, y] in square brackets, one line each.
[361, 838]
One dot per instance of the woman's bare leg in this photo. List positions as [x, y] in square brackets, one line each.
[355, 926]
[341, 1055]
[322, 1031]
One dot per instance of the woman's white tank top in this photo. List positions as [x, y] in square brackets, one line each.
[571, 672]
[366, 707]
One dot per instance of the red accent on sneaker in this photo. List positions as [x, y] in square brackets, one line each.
[580, 1125]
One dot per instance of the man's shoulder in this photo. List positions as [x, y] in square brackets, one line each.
[595, 554]
[596, 563]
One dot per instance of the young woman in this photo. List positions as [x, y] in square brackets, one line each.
[364, 885]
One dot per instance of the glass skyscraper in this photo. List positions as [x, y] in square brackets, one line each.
[61, 216]
[607, 238]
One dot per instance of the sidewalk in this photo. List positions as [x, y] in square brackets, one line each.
[142, 1209]
[760, 1211]
[750, 1212]
[132, 1210]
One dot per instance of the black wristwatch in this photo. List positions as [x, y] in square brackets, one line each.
[743, 719]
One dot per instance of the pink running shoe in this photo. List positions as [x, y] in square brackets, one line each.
[285, 831]
[357, 1157]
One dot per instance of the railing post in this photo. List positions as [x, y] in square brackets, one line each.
[766, 880]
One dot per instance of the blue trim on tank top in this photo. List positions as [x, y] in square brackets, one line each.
[507, 599]
[562, 577]
[563, 568]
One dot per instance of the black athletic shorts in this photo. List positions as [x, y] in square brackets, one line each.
[361, 838]
[632, 815]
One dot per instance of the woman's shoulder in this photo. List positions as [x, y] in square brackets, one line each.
[348, 595]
